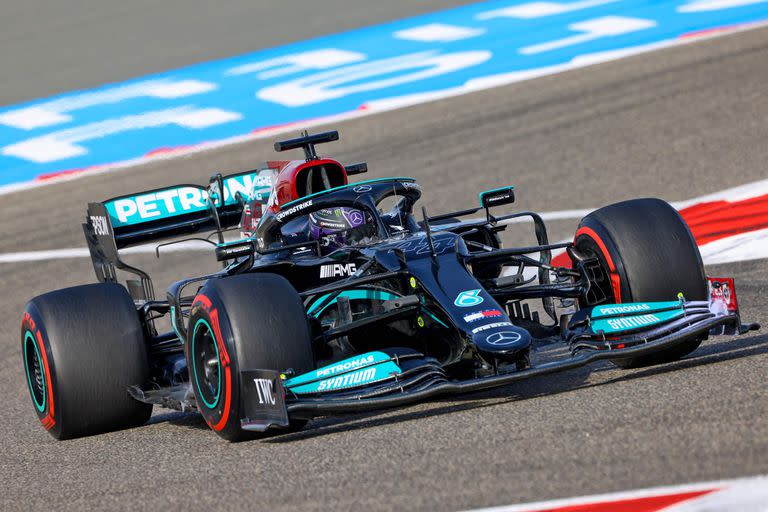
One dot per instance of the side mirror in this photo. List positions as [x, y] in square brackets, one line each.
[358, 168]
[234, 250]
[497, 196]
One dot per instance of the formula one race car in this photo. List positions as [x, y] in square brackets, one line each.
[339, 297]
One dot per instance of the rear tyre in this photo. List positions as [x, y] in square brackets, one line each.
[646, 253]
[82, 347]
[243, 322]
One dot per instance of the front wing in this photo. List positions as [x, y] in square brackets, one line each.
[399, 377]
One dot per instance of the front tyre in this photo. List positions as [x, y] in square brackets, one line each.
[81, 348]
[646, 252]
[243, 322]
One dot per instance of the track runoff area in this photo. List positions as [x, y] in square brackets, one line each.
[381, 68]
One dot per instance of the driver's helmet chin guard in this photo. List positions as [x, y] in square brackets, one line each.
[338, 227]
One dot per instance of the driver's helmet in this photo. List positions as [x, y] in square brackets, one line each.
[338, 227]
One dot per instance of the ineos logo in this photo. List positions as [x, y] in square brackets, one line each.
[502, 338]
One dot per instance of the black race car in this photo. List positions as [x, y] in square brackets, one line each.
[340, 297]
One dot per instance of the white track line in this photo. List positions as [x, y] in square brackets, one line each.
[82, 252]
[741, 247]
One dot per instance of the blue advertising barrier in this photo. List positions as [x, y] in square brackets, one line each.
[395, 64]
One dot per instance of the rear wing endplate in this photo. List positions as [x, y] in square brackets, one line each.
[164, 213]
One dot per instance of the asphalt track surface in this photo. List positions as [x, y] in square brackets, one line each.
[676, 124]
[49, 46]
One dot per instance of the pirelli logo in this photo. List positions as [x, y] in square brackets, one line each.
[337, 270]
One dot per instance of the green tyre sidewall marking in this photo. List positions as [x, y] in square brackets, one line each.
[194, 367]
[28, 336]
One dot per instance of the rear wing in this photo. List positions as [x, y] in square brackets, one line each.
[163, 213]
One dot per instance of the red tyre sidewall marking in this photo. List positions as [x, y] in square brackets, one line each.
[28, 324]
[213, 314]
[615, 279]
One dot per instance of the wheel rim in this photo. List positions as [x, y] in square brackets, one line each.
[206, 364]
[33, 365]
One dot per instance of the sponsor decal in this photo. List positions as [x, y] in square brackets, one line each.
[468, 298]
[502, 195]
[491, 326]
[630, 322]
[265, 391]
[503, 338]
[100, 226]
[411, 184]
[361, 189]
[618, 309]
[634, 308]
[170, 202]
[294, 209]
[496, 199]
[488, 313]
[352, 372]
[332, 225]
[263, 404]
[636, 321]
[234, 250]
[356, 218]
[337, 270]
[350, 379]
[722, 295]
[345, 365]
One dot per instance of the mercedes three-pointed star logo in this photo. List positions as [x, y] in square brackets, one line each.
[503, 338]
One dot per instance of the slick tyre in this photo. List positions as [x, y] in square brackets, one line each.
[81, 349]
[646, 253]
[243, 322]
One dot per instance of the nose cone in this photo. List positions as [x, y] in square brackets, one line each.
[504, 341]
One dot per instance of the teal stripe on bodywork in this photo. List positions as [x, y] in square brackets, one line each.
[433, 317]
[342, 187]
[364, 294]
[635, 322]
[350, 373]
[486, 192]
[351, 295]
[633, 308]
